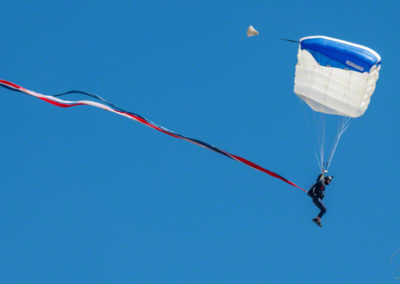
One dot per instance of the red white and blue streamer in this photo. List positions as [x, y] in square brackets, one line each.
[55, 100]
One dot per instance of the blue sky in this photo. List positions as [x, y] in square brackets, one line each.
[91, 197]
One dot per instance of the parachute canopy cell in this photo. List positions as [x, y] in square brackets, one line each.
[335, 76]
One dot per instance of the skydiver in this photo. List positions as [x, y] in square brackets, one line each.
[316, 192]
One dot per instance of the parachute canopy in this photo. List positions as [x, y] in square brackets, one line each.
[335, 76]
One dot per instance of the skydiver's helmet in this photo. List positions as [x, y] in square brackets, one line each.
[328, 179]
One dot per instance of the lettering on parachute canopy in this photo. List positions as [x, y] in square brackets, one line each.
[354, 65]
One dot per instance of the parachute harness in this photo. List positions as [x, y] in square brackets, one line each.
[105, 105]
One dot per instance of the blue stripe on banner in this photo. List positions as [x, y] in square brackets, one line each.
[204, 144]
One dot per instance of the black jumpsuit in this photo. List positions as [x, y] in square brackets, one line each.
[316, 192]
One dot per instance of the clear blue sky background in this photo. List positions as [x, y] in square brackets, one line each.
[91, 197]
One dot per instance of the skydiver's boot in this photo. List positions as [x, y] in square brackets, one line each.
[317, 220]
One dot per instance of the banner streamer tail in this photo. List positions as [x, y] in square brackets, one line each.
[55, 100]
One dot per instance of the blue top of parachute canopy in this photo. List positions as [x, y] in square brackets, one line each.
[340, 54]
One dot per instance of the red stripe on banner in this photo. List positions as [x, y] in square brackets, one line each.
[10, 84]
[257, 167]
[60, 104]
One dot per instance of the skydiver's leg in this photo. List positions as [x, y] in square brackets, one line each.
[320, 205]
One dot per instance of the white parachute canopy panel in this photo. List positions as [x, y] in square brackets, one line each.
[251, 31]
[334, 76]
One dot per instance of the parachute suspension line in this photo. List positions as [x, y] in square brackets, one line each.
[322, 140]
[310, 130]
[318, 162]
[343, 124]
[318, 126]
[320, 143]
